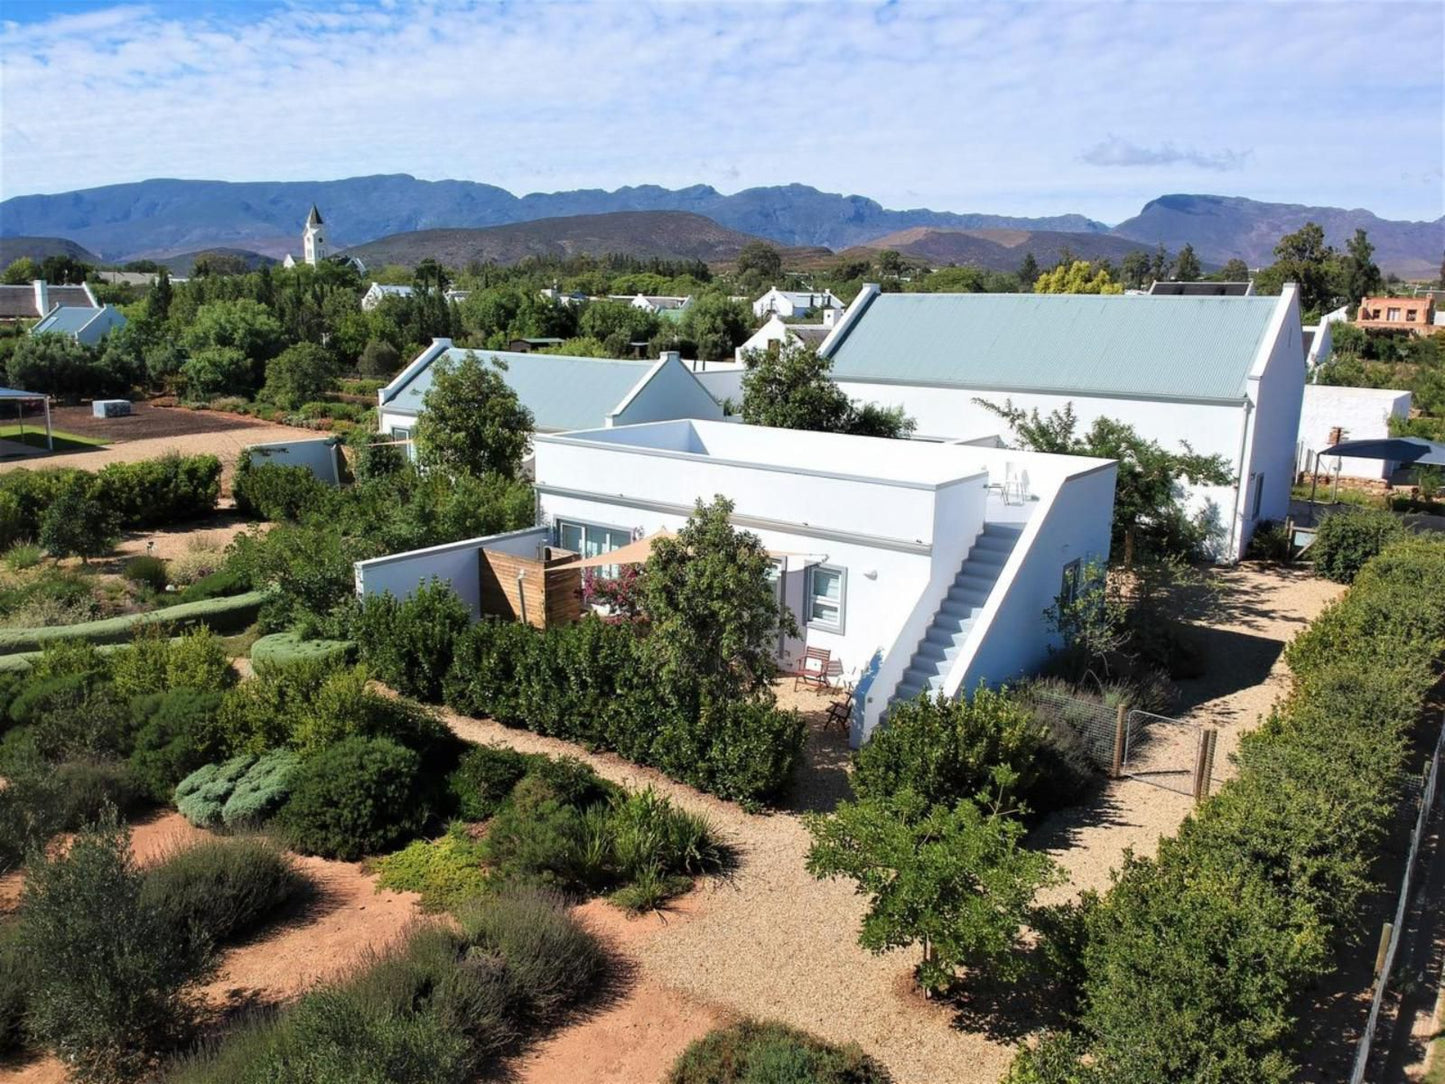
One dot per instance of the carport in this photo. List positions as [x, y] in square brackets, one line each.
[9, 448]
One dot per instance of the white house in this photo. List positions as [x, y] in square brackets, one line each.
[378, 292]
[561, 391]
[32, 300]
[1224, 374]
[917, 566]
[776, 333]
[84, 325]
[795, 302]
[1330, 415]
[654, 303]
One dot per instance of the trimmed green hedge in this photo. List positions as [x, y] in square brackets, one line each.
[220, 614]
[285, 648]
[1199, 963]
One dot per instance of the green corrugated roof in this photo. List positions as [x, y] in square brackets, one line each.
[562, 392]
[1150, 347]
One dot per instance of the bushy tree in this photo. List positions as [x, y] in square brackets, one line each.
[379, 359]
[956, 881]
[1362, 275]
[299, 374]
[76, 524]
[792, 389]
[714, 617]
[242, 324]
[617, 325]
[1303, 257]
[471, 421]
[717, 325]
[760, 259]
[1186, 267]
[218, 370]
[1078, 277]
[1236, 270]
[54, 364]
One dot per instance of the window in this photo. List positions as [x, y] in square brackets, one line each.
[825, 597]
[1258, 494]
[1069, 588]
[1410, 316]
[1392, 314]
[590, 540]
[400, 432]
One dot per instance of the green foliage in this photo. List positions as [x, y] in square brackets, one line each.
[956, 881]
[360, 796]
[109, 977]
[14, 992]
[158, 492]
[223, 583]
[472, 422]
[742, 750]
[262, 791]
[1271, 543]
[447, 872]
[379, 359]
[792, 389]
[298, 375]
[275, 492]
[484, 778]
[77, 524]
[411, 643]
[177, 736]
[285, 648]
[944, 750]
[219, 890]
[1345, 540]
[56, 365]
[1078, 277]
[22, 555]
[750, 1052]
[220, 614]
[154, 663]
[201, 796]
[150, 571]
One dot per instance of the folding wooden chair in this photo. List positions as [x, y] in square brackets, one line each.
[814, 670]
[841, 712]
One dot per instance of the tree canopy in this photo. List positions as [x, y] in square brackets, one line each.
[472, 422]
[792, 389]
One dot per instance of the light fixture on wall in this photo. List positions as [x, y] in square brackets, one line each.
[870, 574]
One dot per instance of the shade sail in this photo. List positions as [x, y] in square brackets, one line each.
[1410, 450]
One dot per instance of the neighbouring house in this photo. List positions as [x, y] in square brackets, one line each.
[378, 292]
[1201, 289]
[83, 324]
[1410, 315]
[32, 300]
[1331, 415]
[1224, 374]
[562, 297]
[1319, 338]
[917, 566]
[531, 346]
[778, 334]
[562, 392]
[654, 303]
[795, 302]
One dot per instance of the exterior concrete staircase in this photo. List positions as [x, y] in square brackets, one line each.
[956, 617]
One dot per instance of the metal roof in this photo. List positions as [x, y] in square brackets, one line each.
[1072, 344]
[16, 393]
[562, 391]
[66, 320]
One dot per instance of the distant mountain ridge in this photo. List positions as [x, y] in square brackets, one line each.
[670, 235]
[1002, 250]
[161, 218]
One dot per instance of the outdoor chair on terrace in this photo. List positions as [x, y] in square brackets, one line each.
[814, 670]
[840, 712]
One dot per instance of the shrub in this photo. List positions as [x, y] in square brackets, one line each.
[220, 614]
[539, 839]
[649, 833]
[1346, 540]
[1271, 542]
[275, 492]
[157, 492]
[262, 791]
[22, 555]
[484, 779]
[201, 558]
[944, 750]
[76, 524]
[221, 889]
[283, 648]
[261, 713]
[14, 991]
[747, 750]
[201, 796]
[87, 788]
[110, 974]
[552, 960]
[447, 871]
[177, 735]
[360, 796]
[410, 643]
[222, 583]
[750, 1052]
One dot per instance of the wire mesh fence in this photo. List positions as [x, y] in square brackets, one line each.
[1093, 723]
[1390, 935]
[1163, 752]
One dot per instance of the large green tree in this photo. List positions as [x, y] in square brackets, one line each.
[1186, 267]
[299, 374]
[1077, 277]
[54, 364]
[761, 259]
[792, 389]
[1362, 276]
[1303, 257]
[471, 421]
[717, 325]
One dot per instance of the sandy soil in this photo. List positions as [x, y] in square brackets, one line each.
[215, 531]
[1266, 607]
[188, 432]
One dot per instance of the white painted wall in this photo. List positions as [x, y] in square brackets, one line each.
[1363, 414]
[668, 391]
[723, 381]
[457, 564]
[1276, 389]
[320, 456]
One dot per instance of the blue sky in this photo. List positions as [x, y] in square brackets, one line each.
[1018, 108]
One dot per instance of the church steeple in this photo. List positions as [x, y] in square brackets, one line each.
[313, 241]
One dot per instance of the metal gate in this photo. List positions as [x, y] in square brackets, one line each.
[1168, 753]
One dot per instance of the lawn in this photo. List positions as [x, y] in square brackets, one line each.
[35, 437]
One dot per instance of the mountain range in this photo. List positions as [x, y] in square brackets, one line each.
[160, 218]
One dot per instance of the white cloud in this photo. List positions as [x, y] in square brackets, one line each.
[962, 107]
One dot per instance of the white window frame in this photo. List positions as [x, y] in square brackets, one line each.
[401, 432]
[606, 571]
[810, 619]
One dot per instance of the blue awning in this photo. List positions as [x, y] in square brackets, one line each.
[1408, 450]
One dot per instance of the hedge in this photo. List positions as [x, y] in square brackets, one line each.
[1199, 963]
[285, 648]
[221, 614]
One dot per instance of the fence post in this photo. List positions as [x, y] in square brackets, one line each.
[1121, 735]
[1204, 763]
[1209, 763]
[1386, 931]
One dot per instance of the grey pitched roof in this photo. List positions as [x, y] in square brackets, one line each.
[66, 320]
[562, 392]
[1085, 344]
[810, 334]
[18, 302]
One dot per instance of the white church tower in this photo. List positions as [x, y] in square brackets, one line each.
[313, 240]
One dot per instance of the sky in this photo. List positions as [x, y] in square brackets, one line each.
[1032, 108]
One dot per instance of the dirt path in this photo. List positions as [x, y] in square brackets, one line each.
[1245, 675]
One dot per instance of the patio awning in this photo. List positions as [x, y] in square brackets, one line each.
[1407, 450]
[16, 393]
[636, 553]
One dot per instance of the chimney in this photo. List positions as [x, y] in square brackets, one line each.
[830, 317]
[42, 298]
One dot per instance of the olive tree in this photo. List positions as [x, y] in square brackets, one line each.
[472, 422]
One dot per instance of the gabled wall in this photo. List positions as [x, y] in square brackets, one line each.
[668, 391]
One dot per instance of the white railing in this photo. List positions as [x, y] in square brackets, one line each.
[1392, 940]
